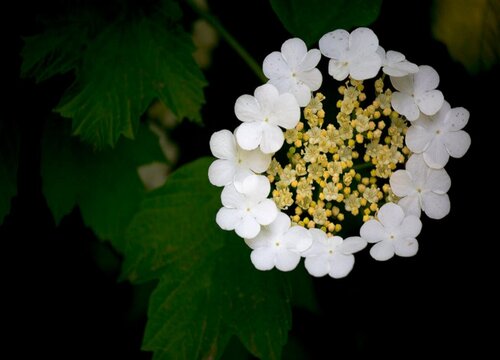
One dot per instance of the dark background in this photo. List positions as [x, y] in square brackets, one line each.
[60, 291]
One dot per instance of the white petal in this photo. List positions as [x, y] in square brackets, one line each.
[223, 145]
[405, 105]
[363, 41]
[351, 245]
[339, 70]
[436, 155]
[280, 225]
[247, 109]
[221, 172]
[403, 84]
[334, 44]
[286, 111]
[418, 138]
[266, 95]
[263, 240]
[249, 135]
[341, 265]
[227, 219]
[294, 51]
[435, 206]
[425, 79]
[302, 94]
[317, 266]
[265, 212]
[255, 160]
[272, 139]
[457, 118]
[410, 205]
[319, 243]
[275, 66]
[401, 183]
[400, 69]
[406, 247]
[418, 170]
[365, 67]
[310, 61]
[438, 181]
[394, 57]
[373, 231]
[382, 251]
[311, 78]
[391, 216]
[381, 53]
[430, 102]
[298, 239]
[410, 227]
[240, 175]
[231, 198]
[256, 188]
[457, 143]
[283, 84]
[287, 260]
[248, 227]
[263, 258]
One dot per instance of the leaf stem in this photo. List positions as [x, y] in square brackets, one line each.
[240, 50]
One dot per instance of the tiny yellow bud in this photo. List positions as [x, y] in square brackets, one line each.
[322, 196]
[366, 218]
[367, 211]
[311, 224]
[339, 186]
[373, 180]
[328, 212]
[363, 201]
[298, 143]
[347, 190]
[270, 178]
[365, 181]
[339, 104]
[367, 158]
[321, 113]
[373, 207]
[340, 217]
[306, 220]
[296, 218]
[300, 126]
[294, 183]
[381, 125]
[331, 227]
[376, 115]
[387, 111]
[355, 211]
[362, 97]
[335, 211]
[359, 138]
[340, 198]
[338, 227]
[351, 143]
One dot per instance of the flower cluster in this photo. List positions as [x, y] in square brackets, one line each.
[294, 178]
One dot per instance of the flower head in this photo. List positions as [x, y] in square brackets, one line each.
[262, 116]
[233, 162]
[440, 136]
[395, 64]
[416, 93]
[247, 208]
[352, 54]
[331, 255]
[422, 188]
[279, 245]
[294, 70]
[393, 232]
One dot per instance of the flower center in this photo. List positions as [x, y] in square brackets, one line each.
[338, 169]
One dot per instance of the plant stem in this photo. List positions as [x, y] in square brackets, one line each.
[240, 50]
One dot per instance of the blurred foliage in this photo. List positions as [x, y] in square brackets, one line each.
[471, 31]
[104, 185]
[9, 158]
[311, 19]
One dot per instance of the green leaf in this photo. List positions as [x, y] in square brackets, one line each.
[105, 185]
[9, 158]
[470, 29]
[208, 288]
[124, 69]
[311, 19]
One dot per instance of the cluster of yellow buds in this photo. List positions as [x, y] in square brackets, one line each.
[335, 169]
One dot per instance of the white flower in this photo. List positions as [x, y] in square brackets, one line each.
[279, 245]
[417, 93]
[422, 188]
[234, 163]
[262, 116]
[440, 136]
[395, 64]
[247, 209]
[393, 232]
[294, 70]
[354, 54]
[331, 255]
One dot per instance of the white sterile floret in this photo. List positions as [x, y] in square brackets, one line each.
[234, 163]
[294, 70]
[416, 93]
[422, 188]
[279, 245]
[393, 232]
[247, 208]
[440, 136]
[352, 54]
[395, 64]
[262, 116]
[331, 255]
